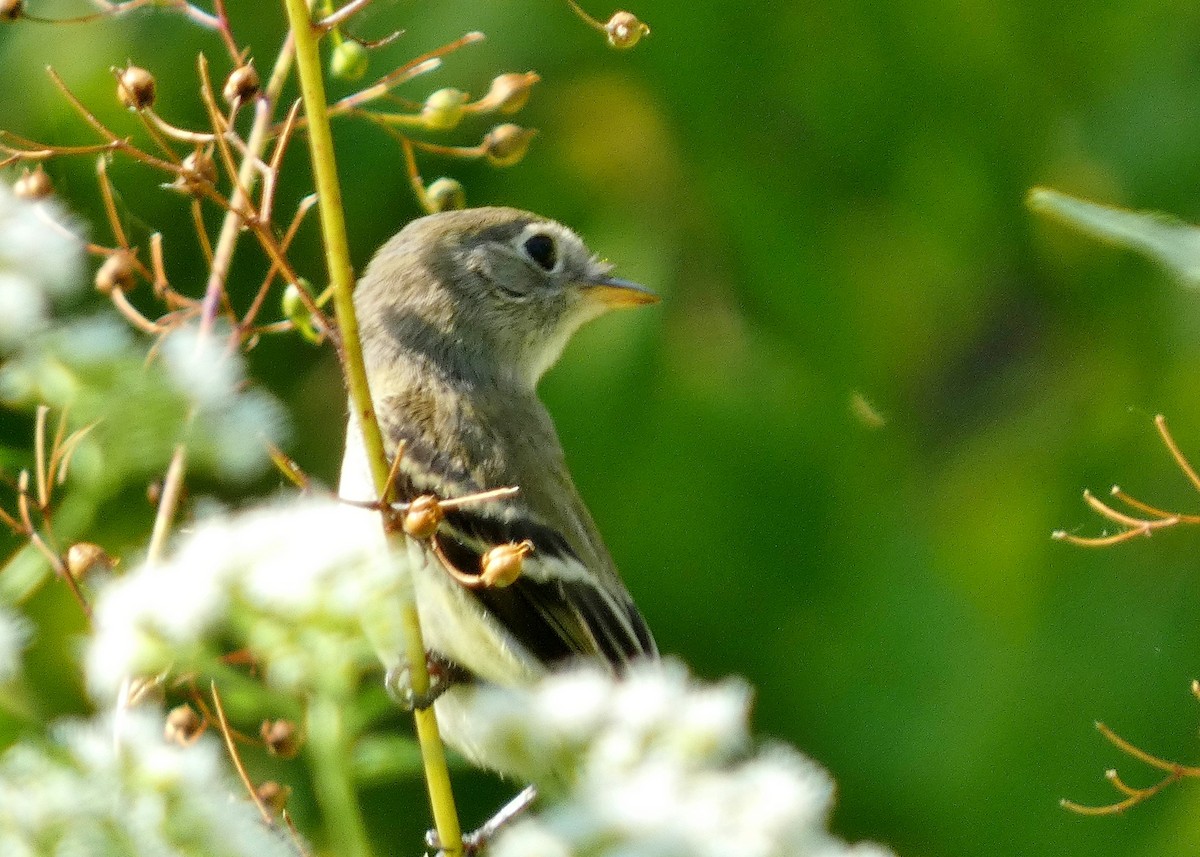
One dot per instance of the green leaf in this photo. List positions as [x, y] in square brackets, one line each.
[1167, 240]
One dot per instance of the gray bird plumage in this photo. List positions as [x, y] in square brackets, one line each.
[460, 314]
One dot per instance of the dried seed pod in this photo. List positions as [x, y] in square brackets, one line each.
[349, 61]
[33, 184]
[625, 30]
[84, 558]
[443, 109]
[115, 273]
[241, 85]
[183, 725]
[197, 171]
[273, 796]
[10, 10]
[506, 144]
[280, 738]
[502, 565]
[446, 194]
[509, 92]
[423, 517]
[136, 88]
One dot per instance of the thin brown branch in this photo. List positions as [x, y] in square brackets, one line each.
[1098, 541]
[221, 129]
[1142, 756]
[247, 321]
[223, 725]
[1160, 422]
[271, 175]
[340, 16]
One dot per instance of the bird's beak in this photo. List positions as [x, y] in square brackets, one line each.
[615, 293]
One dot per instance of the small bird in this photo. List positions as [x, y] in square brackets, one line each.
[460, 315]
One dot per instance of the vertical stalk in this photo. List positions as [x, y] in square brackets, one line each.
[329, 750]
[341, 278]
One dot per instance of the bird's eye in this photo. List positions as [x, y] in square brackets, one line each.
[540, 248]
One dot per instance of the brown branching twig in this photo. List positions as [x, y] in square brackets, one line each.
[1149, 517]
[1134, 795]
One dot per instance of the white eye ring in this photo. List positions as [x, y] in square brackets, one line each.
[540, 248]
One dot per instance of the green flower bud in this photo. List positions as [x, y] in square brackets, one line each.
[349, 61]
[297, 313]
[444, 109]
[446, 194]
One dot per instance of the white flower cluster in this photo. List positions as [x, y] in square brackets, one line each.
[14, 634]
[656, 765]
[231, 420]
[304, 585]
[116, 789]
[38, 263]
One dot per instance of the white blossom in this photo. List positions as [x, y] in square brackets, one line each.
[39, 262]
[658, 765]
[14, 634]
[113, 787]
[304, 585]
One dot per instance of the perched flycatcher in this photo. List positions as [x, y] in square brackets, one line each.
[460, 314]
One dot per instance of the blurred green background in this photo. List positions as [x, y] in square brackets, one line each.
[829, 196]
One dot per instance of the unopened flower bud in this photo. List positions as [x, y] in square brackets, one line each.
[505, 145]
[135, 88]
[241, 85]
[183, 725]
[443, 109]
[625, 30]
[423, 516]
[33, 184]
[280, 738]
[502, 565]
[115, 273]
[349, 61]
[297, 313]
[197, 171]
[446, 194]
[10, 10]
[510, 92]
[273, 796]
[84, 558]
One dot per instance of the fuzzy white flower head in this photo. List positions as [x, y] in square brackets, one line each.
[658, 765]
[31, 244]
[14, 634]
[232, 422]
[38, 262]
[202, 367]
[305, 585]
[113, 787]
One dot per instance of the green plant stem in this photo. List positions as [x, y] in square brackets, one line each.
[337, 257]
[329, 749]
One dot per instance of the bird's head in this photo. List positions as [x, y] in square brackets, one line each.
[498, 289]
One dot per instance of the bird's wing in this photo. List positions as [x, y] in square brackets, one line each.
[559, 608]
[556, 609]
